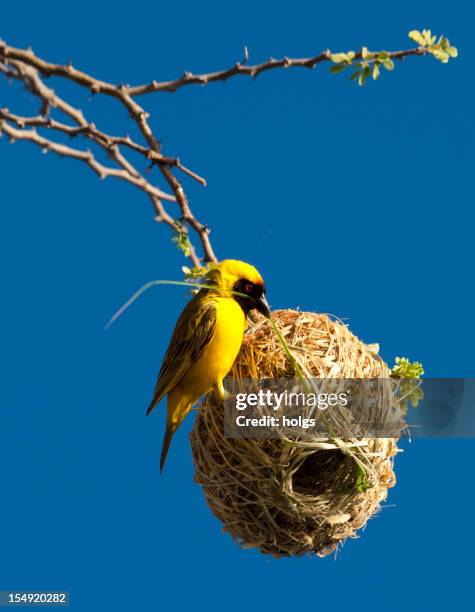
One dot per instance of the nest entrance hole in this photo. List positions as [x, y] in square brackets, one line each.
[325, 471]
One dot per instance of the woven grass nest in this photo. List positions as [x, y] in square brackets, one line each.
[289, 500]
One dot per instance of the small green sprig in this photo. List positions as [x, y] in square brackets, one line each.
[409, 389]
[441, 50]
[368, 63]
[197, 272]
[181, 239]
[403, 368]
[193, 273]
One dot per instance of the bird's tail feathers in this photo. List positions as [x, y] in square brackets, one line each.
[178, 406]
[151, 407]
[167, 438]
[157, 398]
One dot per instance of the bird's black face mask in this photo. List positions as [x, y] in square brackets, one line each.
[256, 296]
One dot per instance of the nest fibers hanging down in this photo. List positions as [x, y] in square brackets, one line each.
[286, 499]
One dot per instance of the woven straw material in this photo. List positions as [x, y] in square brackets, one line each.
[283, 498]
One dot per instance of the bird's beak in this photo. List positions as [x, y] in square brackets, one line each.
[262, 306]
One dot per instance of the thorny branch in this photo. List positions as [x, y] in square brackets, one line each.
[25, 66]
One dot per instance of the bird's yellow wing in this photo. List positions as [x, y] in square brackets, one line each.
[193, 332]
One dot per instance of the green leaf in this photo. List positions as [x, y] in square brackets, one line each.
[416, 36]
[355, 75]
[442, 56]
[338, 68]
[375, 72]
[339, 57]
[388, 64]
[351, 55]
[428, 38]
[363, 76]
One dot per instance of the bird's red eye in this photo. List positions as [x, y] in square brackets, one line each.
[248, 288]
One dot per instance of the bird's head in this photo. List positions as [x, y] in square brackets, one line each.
[238, 276]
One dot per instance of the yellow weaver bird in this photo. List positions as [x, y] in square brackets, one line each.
[206, 341]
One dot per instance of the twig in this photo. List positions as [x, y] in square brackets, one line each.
[242, 69]
[90, 131]
[102, 171]
[29, 66]
[26, 66]
[188, 78]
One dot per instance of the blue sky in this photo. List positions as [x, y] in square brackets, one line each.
[357, 202]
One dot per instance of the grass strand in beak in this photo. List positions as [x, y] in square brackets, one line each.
[154, 283]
